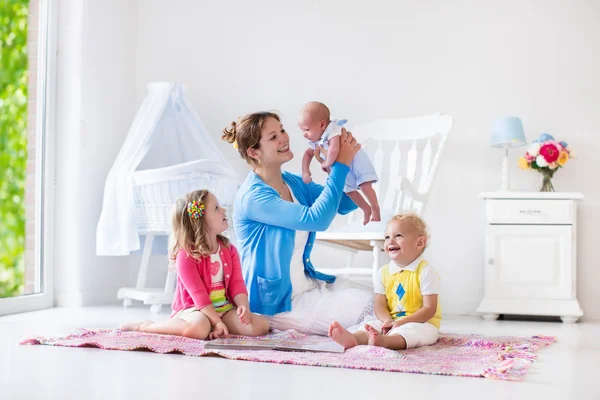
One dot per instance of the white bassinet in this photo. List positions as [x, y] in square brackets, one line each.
[167, 153]
[155, 193]
[156, 190]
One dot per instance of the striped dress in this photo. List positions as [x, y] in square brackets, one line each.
[217, 289]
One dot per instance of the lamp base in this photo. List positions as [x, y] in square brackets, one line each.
[505, 177]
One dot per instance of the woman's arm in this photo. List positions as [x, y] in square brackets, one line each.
[262, 204]
[346, 204]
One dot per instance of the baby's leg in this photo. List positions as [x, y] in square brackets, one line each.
[342, 336]
[392, 342]
[258, 327]
[414, 334]
[367, 189]
[195, 326]
[362, 204]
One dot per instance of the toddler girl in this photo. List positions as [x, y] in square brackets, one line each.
[211, 299]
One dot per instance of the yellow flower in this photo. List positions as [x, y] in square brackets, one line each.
[563, 157]
[523, 164]
[235, 145]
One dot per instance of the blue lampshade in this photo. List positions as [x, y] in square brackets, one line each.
[508, 131]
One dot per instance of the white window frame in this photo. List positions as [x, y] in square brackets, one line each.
[45, 167]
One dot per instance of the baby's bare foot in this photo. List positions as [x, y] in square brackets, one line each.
[376, 216]
[135, 326]
[367, 218]
[375, 338]
[341, 336]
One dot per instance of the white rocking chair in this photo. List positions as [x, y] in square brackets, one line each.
[406, 154]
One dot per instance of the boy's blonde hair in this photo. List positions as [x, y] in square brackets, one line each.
[188, 233]
[416, 221]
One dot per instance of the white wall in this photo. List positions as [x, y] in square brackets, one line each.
[95, 105]
[472, 60]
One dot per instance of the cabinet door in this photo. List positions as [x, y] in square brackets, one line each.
[529, 261]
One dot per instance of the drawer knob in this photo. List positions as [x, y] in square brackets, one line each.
[491, 261]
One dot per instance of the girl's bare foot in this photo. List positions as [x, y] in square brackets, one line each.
[375, 338]
[376, 214]
[341, 336]
[135, 326]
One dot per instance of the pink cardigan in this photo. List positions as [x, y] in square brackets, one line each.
[194, 279]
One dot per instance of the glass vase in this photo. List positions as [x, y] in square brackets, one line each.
[547, 181]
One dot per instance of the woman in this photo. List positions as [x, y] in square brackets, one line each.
[275, 218]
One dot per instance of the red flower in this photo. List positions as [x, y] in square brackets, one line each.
[549, 152]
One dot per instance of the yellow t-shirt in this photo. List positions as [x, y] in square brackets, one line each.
[402, 288]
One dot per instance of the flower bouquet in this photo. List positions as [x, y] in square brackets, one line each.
[546, 156]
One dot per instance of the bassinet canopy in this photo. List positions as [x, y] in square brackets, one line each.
[167, 152]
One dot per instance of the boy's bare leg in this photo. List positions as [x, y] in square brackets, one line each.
[258, 327]
[198, 326]
[362, 204]
[392, 342]
[367, 189]
[342, 336]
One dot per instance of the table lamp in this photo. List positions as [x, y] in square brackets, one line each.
[507, 132]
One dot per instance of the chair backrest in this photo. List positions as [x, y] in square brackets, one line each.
[404, 150]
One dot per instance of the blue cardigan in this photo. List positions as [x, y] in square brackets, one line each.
[265, 226]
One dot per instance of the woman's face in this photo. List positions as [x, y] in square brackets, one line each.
[274, 144]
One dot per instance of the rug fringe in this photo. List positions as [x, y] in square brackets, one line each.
[516, 358]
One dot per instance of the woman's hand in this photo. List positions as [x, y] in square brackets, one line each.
[219, 330]
[244, 315]
[348, 148]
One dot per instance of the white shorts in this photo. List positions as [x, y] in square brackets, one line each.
[313, 311]
[416, 334]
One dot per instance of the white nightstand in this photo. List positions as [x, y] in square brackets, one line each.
[530, 255]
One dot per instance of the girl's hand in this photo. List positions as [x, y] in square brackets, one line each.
[348, 148]
[219, 331]
[244, 314]
[386, 327]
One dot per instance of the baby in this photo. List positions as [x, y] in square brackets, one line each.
[323, 137]
[406, 294]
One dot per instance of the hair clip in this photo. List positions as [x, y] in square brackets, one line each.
[235, 145]
[195, 209]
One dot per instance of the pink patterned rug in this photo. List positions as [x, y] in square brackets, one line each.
[505, 358]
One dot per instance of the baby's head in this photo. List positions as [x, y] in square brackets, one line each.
[197, 220]
[314, 118]
[405, 238]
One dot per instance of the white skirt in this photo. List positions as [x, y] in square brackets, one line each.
[313, 311]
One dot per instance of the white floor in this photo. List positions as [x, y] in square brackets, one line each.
[567, 370]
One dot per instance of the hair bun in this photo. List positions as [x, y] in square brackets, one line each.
[230, 132]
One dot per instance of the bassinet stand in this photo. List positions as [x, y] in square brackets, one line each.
[156, 297]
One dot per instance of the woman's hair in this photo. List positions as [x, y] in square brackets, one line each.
[188, 232]
[245, 133]
[416, 221]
